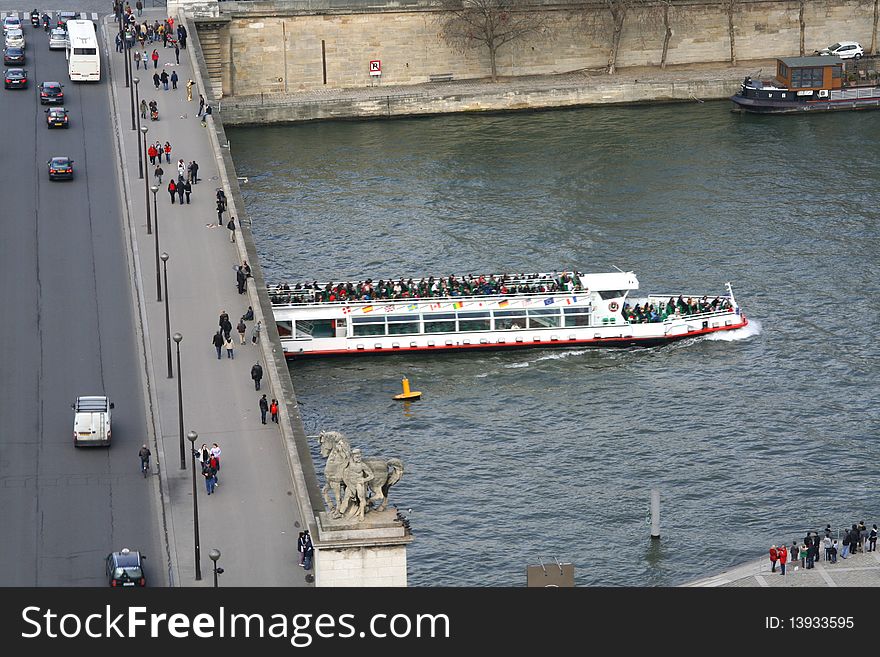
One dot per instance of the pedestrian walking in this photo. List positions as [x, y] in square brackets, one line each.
[258, 327]
[221, 197]
[158, 173]
[139, 6]
[231, 226]
[827, 544]
[242, 329]
[241, 280]
[172, 190]
[783, 557]
[164, 78]
[845, 549]
[176, 55]
[189, 90]
[167, 149]
[180, 190]
[309, 550]
[264, 408]
[155, 57]
[194, 167]
[164, 38]
[153, 153]
[214, 460]
[301, 547]
[273, 410]
[230, 348]
[227, 329]
[872, 539]
[118, 42]
[137, 59]
[220, 209]
[201, 105]
[156, 80]
[210, 477]
[218, 343]
[143, 109]
[187, 189]
[181, 36]
[181, 169]
[224, 317]
[834, 548]
[257, 375]
[174, 79]
[774, 556]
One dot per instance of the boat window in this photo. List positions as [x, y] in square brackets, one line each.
[611, 294]
[473, 324]
[429, 317]
[316, 328]
[284, 328]
[479, 313]
[835, 73]
[807, 77]
[510, 323]
[543, 318]
[509, 313]
[577, 316]
[439, 327]
[372, 319]
[782, 71]
[376, 328]
[403, 318]
[403, 328]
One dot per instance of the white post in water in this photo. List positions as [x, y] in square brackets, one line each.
[655, 514]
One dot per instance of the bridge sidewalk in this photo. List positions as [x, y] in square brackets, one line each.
[252, 518]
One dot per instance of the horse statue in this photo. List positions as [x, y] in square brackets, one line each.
[336, 448]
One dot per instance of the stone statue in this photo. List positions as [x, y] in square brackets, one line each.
[365, 481]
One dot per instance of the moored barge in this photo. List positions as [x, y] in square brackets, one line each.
[810, 84]
[496, 311]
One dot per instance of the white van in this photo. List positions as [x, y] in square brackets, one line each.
[91, 420]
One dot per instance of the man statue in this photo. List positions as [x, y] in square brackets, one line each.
[356, 476]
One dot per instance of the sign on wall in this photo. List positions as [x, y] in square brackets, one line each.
[375, 67]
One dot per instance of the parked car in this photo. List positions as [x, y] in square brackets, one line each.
[13, 56]
[126, 568]
[56, 117]
[51, 92]
[14, 38]
[15, 78]
[844, 50]
[58, 39]
[61, 168]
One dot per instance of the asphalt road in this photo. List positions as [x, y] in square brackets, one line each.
[68, 330]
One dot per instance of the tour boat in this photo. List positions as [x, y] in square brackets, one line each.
[809, 84]
[497, 311]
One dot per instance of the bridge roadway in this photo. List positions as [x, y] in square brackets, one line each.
[68, 330]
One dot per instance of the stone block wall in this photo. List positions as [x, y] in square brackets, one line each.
[361, 566]
[288, 51]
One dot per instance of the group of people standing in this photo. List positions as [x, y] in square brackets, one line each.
[856, 539]
[210, 461]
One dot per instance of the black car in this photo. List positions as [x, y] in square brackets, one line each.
[13, 55]
[50, 92]
[16, 78]
[60, 168]
[56, 117]
[126, 568]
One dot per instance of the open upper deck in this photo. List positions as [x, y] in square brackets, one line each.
[450, 287]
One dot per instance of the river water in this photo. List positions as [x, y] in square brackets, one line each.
[514, 458]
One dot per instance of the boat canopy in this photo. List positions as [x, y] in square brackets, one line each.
[624, 280]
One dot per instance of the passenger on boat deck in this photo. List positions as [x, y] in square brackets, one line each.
[446, 286]
[647, 313]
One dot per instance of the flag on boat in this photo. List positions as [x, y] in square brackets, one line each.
[388, 309]
[367, 309]
[571, 300]
[503, 304]
[412, 306]
[457, 305]
[346, 310]
[548, 301]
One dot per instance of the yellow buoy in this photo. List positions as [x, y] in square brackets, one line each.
[407, 393]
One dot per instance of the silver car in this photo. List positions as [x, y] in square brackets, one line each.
[14, 39]
[57, 39]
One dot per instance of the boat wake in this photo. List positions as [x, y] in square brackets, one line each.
[752, 329]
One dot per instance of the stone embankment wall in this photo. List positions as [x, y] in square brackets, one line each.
[288, 47]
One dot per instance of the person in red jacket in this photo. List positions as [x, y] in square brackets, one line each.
[152, 152]
[773, 557]
[783, 557]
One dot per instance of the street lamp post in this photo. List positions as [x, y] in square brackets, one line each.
[127, 49]
[165, 257]
[141, 155]
[124, 54]
[192, 435]
[158, 273]
[214, 554]
[177, 338]
[144, 130]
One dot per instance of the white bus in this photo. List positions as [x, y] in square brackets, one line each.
[83, 58]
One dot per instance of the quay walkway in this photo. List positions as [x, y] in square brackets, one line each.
[253, 517]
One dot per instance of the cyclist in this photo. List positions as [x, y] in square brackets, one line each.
[144, 455]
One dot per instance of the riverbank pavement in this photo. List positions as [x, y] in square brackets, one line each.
[252, 518]
[857, 570]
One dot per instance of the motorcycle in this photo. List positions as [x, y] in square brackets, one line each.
[35, 18]
[45, 22]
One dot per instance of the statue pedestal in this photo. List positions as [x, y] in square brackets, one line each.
[371, 552]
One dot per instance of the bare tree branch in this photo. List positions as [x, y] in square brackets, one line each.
[489, 24]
